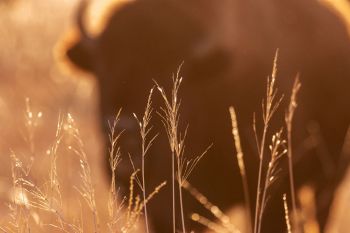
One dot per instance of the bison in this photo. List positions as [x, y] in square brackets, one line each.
[227, 47]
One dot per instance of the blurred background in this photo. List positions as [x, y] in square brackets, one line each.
[35, 90]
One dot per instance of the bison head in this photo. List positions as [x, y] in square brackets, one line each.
[145, 41]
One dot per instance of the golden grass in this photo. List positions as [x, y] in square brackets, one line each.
[184, 166]
[286, 214]
[289, 123]
[242, 169]
[269, 107]
[33, 204]
[44, 204]
[114, 208]
[224, 225]
[145, 129]
[41, 178]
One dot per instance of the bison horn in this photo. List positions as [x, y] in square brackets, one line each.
[82, 52]
[80, 19]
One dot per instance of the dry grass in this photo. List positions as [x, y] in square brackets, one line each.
[114, 208]
[289, 123]
[241, 165]
[34, 205]
[286, 214]
[39, 205]
[184, 166]
[224, 225]
[44, 158]
[146, 144]
[269, 107]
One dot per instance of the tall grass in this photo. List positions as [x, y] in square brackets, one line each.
[224, 225]
[286, 214]
[269, 107]
[170, 115]
[114, 208]
[289, 123]
[86, 189]
[241, 165]
[146, 144]
[278, 148]
[39, 205]
[34, 205]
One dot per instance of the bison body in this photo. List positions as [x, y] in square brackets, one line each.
[227, 48]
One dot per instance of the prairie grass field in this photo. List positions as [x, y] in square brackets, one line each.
[53, 169]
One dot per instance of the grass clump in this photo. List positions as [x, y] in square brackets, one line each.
[39, 204]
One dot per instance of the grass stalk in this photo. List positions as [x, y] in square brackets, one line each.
[269, 107]
[180, 198]
[278, 149]
[225, 222]
[289, 120]
[286, 213]
[114, 160]
[241, 165]
[170, 117]
[86, 188]
[257, 205]
[173, 189]
[144, 194]
[145, 146]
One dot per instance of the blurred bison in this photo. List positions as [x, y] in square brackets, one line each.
[227, 47]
